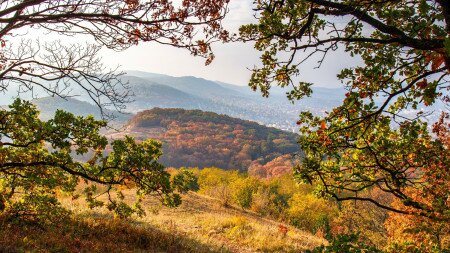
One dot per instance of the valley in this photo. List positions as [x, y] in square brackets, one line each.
[156, 90]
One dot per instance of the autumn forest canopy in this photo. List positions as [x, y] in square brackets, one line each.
[379, 157]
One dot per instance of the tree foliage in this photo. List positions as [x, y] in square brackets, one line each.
[379, 137]
[203, 139]
[40, 158]
[37, 160]
[365, 219]
[345, 243]
[58, 68]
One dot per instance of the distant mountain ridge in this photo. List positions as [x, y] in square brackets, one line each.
[223, 98]
[48, 106]
[157, 90]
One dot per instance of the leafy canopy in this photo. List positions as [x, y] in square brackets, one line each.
[379, 137]
[37, 160]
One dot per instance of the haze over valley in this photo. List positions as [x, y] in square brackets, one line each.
[156, 90]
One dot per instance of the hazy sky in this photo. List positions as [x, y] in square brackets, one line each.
[232, 60]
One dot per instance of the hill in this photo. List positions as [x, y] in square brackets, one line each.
[233, 100]
[188, 92]
[150, 94]
[200, 224]
[193, 138]
[49, 105]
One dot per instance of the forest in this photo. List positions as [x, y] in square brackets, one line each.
[205, 139]
[370, 174]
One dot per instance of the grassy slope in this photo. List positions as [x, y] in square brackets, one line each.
[200, 224]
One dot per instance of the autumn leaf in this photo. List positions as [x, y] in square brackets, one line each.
[437, 62]
[422, 84]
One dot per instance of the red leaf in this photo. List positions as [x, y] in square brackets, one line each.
[437, 62]
[422, 84]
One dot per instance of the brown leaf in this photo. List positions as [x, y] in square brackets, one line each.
[437, 62]
[422, 84]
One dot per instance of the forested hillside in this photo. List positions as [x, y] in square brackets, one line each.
[203, 139]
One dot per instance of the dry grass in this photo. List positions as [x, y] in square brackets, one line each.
[207, 221]
[95, 235]
[200, 224]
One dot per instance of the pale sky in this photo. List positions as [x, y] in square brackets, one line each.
[232, 60]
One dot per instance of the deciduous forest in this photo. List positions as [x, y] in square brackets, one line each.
[205, 139]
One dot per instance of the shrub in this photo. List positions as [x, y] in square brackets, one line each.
[216, 183]
[268, 201]
[306, 211]
[185, 181]
[237, 227]
[243, 189]
[348, 243]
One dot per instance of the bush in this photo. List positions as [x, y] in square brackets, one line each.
[268, 201]
[346, 243]
[242, 190]
[216, 183]
[185, 181]
[237, 227]
[311, 213]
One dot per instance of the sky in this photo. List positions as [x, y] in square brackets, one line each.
[232, 62]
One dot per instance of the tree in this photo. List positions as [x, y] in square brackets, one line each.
[313, 214]
[407, 232]
[372, 140]
[58, 68]
[243, 189]
[364, 219]
[38, 161]
[37, 158]
[421, 232]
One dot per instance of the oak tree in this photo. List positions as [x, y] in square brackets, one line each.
[381, 135]
[39, 158]
[30, 61]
